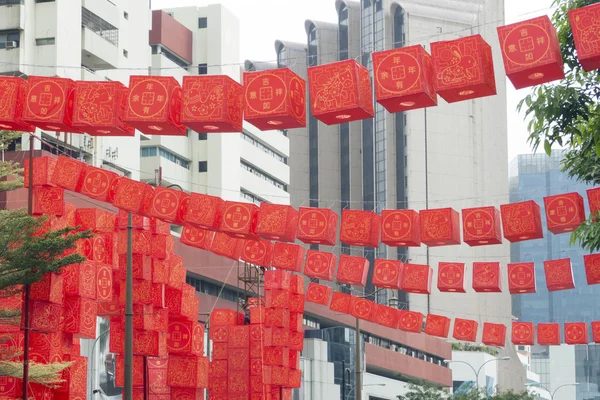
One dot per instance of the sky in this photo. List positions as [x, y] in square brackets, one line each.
[264, 21]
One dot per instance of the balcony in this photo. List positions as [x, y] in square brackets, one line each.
[12, 14]
[10, 61]
[99, 42]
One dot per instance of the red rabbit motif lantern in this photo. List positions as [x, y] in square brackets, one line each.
[48, 200]
[576, 333]
[275, 99]
[584, 24]
[592, 268]
[437, 325]
[99, 108]
[258, 252]
[49, 104]
[277, 222]
[596, 331]
[487, 277]
[494, 334]
[521, 221]
[154, 105]
[386, 316]
[522, 333]
[319, 294]
[531, 52]
[404, 79]
[410, 321]
[204, 211]
[97, 183]
[353, 270]
[80, 316]
[43, 169]
[13, 97]
[239, 220]
[417, 278]
[521, 278]
[362, 308]
[196, 237]
[451, 277]
[401, 228]
[463, 68]
[288, 257]
[388, 274]
[317, 226]
[559, 274]
[440, 227]
[226, 246]
[564, 212]
[340, 92]
[340, 302]
[360, 228]
[481, 226]
[548, 334]
[212, 103]
[69, 173]
[465, 330]
[320, 265]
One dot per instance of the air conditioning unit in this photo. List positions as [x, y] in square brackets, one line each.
[11, 44]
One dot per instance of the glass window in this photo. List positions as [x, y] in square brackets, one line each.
[202, 136]
[9, 36]
[343, 32]
[259, 173]
[203, 166]
[282, 57]
[202, 23]
[44, 1]
[44, 41]
[312, 46]
[11, 2]
[399, 28]
[202, 69]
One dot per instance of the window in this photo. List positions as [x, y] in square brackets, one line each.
[154, 49]
[253, 170]
[44, 1]
[154, 151]
[125, 53]
[203, 166]
[264, 148]
[125, 15]
[399, 28]
[44, 41]
[7, 37]
[11, 2]
[312, 46]
[202, 69]
[148, 152]
[202, 136]
[343, 32]
[202, 23]
[282, 58]
[99, 26]
[245, 195]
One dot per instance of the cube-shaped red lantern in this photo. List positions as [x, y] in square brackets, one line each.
[162, 246]
[583, 24]
[297, 284]
[48, 200]
[464, 69]
[218, 369]
[360, 228]
[297, 314]
[388, 274]
[437, 325]
[362, 308]
[97, 183]
[481, 226]
[212, 103]
[131, 195]
[275, 375]
[559, 274]
[179, 301]
[44, 316]
[154, 105]
[521, 221]
[49, 104]
[142, 292]
[317, 226]
[596, 331]
[275, 99]
[451, 277]
[410, 321]
[277, 279]
[11, 388]
[277, 356]
[141, 267]
[185, 337]
[576, 333]
[417, 278]
[239, 337]
[465, 330]
[227, 246]
[149, 343]
[531, 52]
[319, 294]
[440, 227]
[592, 268]
[80, 279]
[160, 271]
[204, 211]
[187, 371]
[340, 302]
[257, 315]
[401, 228]
[238, 384]
[548, 334]
[69, 173]
[197, 237]
[288, 257]
[258, 252]
[522, 333]
[340, 92]
[239, 360]
[43, 169]
[494, 334]
[404, 79]
[80, 316]
[137, 373]
[277, 222]
[277, 298]
[277, 318]
[166, 203]
[99, 108]
[138, 222]
[487, 277]
[564, 212]
[320, 265]
[353, 270]
[239, 220]
[49, 289]
[45, 348]
[223, 317]
[386, 316]
[13, 92]
[104, 283]
[521, 278]
[219, 351]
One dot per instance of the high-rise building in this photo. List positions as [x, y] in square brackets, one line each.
[533, 177]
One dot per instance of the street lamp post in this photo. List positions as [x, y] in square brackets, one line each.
[552, 394]
[374, 384]
[478, 371]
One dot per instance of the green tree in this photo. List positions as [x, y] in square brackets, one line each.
[426, 391]
[567, 114]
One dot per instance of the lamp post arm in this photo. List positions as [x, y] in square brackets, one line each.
[561, 386]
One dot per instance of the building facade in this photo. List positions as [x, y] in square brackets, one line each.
[532, 178]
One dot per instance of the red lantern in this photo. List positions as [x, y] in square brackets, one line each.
[277, 318]
[154, 105]
[277, 279]
[481, 226]
[43, 169]
[69, 173]
[340, 302]
[465, 330]
[277, 298]
[131, 195]
[386, 316]
[317, 226]
[319, 294]
[141, 242]
[181, 301]
[401, 228]
[296, 308]
[360, 228]
[48, 200]
[596, 331]
[196, 237]
[521, 278]
[195, 368]
[494, 334]
[258, 252]
[80, 316]
[44, 317]
[275, 376]
[576, 333]
[142, 292]
[362, 308]
[522, 333]
[166, 203]
[277, 356]
[464, 69]
[277, 222]
[340, 92]
[239, 337]
[487, 277]
[138, 222]
[437, 325]
[239, 220]
[49, 289]
[97, 183]
[45, 348]
[388, 274]
[288, 257]
[49, 104]
[559, 275]
[583, 24]
[417, 278]
[149, 343]
[80, 279]
[104, 283]
[162, 246]
[204, 211]
[185, 337]
[353, 270]
[137, 373]
[297, 284]
[99, 108]
[592, 268]
[212, 104]
[451, 277]
[410, 321]
[521, 221]
[440, 227]
[141, 267]
[13, 97]
[404, 79]
[548, 334]
[594, 200]
[564, 212]
[186, 394]
[223, 317]
[226, 246]
[320, 265]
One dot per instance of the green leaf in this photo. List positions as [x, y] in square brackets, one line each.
[598, 149]
[547, 147]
